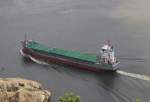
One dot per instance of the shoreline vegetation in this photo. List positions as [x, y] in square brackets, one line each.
[23, 90]
[69, 97]
[137, 100]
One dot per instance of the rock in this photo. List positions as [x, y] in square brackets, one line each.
[22, 90]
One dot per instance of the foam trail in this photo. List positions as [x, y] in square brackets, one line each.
[38, 61]
[33, 59]
[137, 76]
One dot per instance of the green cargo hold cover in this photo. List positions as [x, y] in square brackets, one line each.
[62, 52]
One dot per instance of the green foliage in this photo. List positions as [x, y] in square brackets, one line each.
[69, 97]
[137, 100]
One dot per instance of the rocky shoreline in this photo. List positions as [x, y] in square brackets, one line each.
[22, 90]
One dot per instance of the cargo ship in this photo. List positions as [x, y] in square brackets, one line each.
[105, 60]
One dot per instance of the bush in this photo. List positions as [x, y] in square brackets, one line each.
[137, 100]
[69, 97]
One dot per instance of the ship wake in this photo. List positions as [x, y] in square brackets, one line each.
[33, 59]
[38, 61]
[134, 75]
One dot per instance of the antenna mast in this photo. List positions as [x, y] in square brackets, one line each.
[25, 40]
[25, 37]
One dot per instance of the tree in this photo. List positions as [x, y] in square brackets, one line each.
[137, 100]
[69, 97]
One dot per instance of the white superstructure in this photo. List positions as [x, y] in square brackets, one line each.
[107, 54]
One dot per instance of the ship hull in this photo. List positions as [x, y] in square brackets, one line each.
[29, 53]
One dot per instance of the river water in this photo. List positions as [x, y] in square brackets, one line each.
[82, 25]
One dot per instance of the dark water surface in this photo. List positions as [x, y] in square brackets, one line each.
[81, 25]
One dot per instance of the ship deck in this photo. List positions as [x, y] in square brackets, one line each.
[61, 52]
